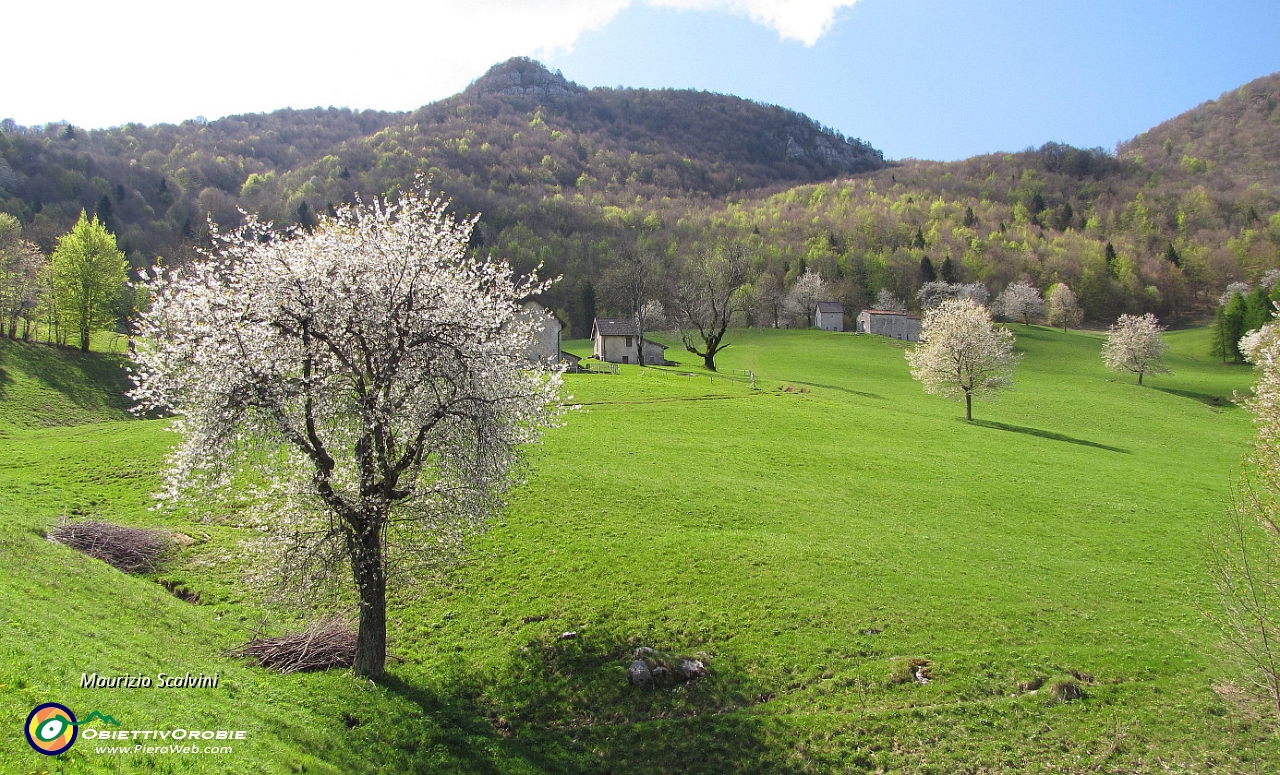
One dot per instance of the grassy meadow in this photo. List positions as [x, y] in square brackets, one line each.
[811, 537]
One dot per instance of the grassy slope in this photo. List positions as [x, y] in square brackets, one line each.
[804, 540]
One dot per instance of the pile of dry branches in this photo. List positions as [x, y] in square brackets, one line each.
[325, 644]
[130, 549]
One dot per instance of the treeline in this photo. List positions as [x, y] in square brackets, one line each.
[581, 180]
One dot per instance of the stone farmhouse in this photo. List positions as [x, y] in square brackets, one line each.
[896, 325]
[548, 331]
[829, 316]
[618, 340]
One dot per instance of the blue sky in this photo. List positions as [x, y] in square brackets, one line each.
[915, 78]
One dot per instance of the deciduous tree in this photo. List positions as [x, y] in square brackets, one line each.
[885, 300]
[1064, 310]
[88, 274]
[809, 289]
[21, 265]
[368, 371]
[1245, 558]
[706, 296]
[1019, 301]
[961, 354]
[1134, 345]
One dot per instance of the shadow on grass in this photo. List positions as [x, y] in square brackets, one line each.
[1047, 435]
[5, 379]
[87, 379]
[835, 387]
[566, 707]
[1220, 402]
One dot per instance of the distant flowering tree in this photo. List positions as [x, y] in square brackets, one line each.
[934, 293]
[1064, 308]
[960, 353]
[363, 382]
[803, 298]
[1019, 301]
[1134, 345]
[885, 300]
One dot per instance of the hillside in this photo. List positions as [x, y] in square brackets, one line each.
[514, 137]
[582, 181]
[860, 525]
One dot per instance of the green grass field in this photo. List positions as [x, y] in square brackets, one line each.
[810, 536]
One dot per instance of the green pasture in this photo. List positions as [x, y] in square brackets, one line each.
[809, 537]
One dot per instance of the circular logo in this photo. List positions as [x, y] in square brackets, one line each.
[51, 728]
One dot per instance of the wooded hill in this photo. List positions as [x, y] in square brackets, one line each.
[574, 178]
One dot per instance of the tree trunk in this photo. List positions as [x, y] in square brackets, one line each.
[1139, 378]
[84, 339]
[968, 407]
[709, 360]
[369, 569]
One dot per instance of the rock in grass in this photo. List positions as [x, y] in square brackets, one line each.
[653, 668]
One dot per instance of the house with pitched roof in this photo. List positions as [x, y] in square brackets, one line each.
[829, 316]
[618, 340]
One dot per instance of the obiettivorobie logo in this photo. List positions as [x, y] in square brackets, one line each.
[52, 728]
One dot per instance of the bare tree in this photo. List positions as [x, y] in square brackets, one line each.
[706, 296]
[960, 353]
[1134, 345]
[367, 371]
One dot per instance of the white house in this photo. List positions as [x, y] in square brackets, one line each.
[548, 333]
[829, 316]
[618, 340]
[896, 325]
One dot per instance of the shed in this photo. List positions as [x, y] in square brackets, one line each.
[829, 316]
[890, 323]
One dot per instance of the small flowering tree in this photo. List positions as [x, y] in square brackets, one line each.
[362, 382]
[1134, 345]
[803, 298]
[960, 353]
[1064, 309]
[1020, 301]
[1245, 558]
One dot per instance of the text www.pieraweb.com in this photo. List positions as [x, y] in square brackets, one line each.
[171, 750]
[175, 742]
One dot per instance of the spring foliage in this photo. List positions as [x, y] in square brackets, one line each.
[1134, 345]
[367, 371]
[961, 354]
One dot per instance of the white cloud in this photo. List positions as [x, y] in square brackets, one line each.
[801, 20]
[156, 60]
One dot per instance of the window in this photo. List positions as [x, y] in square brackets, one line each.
[628, 341]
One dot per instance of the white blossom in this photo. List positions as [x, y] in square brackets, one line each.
[1019, 301]
[885, 300]
[803, 298]
[961, 354]
[1064, 309]
[361, 384]
[1134, 345]
[1232, 289]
